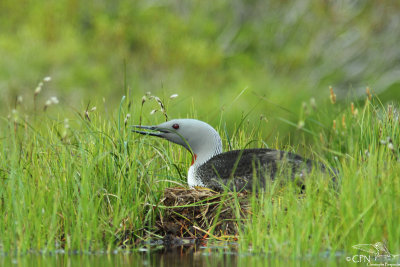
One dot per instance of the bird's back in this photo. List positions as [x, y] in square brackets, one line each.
[237, 168]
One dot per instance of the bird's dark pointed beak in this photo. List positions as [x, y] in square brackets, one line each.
[150, 130]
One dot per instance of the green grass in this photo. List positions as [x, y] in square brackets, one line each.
[362, 209]
[73, 176]
[83, 183]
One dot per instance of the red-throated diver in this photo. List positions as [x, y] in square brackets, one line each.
[213, 169]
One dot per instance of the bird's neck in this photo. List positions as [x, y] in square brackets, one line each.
[206, 151]
[206, 147]
[197, 160]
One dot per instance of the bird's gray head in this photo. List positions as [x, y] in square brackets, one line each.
[196, 136]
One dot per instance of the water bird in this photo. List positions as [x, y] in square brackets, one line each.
[212, 168]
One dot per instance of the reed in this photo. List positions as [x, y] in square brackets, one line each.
[87, 183]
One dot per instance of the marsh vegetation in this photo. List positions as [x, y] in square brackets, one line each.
[319, 79]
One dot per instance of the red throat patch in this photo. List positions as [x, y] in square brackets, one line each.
[193, 159]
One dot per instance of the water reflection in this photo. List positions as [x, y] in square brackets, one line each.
[173, 256]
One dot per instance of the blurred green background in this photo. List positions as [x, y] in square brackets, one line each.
[221, 57]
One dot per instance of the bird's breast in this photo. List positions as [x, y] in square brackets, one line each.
[193, 179]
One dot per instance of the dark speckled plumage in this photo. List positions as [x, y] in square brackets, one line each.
[238, 167]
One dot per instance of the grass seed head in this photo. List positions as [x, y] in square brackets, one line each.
[162, 107]
[313, 103]
[54, 100]
[354, 111]
[332, 95]
[390, 146]
[19, 99]
[38, 89]
[390, 112]
[87, 115]
[51, 101]
[368, 91]
[158, 100]
[14, 115]
[304, 106]
[47, 104]
[263, 118]
[344, 121]
[66, 123]
[127, 118]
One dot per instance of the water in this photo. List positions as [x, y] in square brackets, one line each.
[181, 256]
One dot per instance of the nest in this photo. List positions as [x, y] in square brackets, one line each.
[201, 212]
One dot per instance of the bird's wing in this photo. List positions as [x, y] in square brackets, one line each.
[242, 165]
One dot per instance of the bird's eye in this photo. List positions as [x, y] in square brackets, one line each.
[175, 126]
